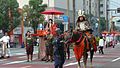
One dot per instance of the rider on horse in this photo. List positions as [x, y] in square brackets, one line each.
[83, 38]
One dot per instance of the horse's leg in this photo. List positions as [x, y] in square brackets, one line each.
[91, 56]
[79, 64]
[85, 56]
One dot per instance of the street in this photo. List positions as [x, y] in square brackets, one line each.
[111, 59]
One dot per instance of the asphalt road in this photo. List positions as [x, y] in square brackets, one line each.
[111, 59]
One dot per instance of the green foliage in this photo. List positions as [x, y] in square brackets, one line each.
[9, 16]
[33, 12]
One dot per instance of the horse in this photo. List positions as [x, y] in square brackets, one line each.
[84, 43]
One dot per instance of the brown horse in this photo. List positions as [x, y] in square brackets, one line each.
[84, 43]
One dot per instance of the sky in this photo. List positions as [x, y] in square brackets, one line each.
[22, 3]
[114, 3]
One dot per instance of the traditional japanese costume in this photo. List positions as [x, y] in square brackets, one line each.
[83, 36]
[59, 54]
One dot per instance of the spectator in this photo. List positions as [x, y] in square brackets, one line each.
[5, 46]
[101, 45]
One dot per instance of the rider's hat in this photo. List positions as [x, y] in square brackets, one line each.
[81, 13]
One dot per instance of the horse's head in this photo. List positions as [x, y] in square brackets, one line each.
[76, 35]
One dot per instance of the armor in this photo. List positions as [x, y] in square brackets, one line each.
[83, 26]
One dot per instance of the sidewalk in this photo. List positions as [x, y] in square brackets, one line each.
[20, 51]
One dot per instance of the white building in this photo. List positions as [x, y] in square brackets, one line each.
[104, 5]
[62, 5]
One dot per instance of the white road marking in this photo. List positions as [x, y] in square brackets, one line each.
[74, 63]
[89, 56]
[70, 64]
[3, 60]
[116, 59]
[15, 62]
[14, 54]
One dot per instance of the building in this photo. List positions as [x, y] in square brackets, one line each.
[104, 5]
[62, 5]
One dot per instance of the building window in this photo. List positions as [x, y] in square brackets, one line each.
[101, 12]
[93, 12]
[101, 0]
[87, 12]
[101, 5]
[92, 4]
[87, 3]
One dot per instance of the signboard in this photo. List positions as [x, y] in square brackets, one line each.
[65, 18]
[40, 27]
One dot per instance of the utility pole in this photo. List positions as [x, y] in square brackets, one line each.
[90, 11]
[73, 14]
[84, 5]
[67, 7]
[48, 3]
[22, 26]
[68, 14]
[99, 16]
[11, 21]
[106, 15]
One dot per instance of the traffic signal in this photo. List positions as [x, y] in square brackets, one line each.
[118, 10]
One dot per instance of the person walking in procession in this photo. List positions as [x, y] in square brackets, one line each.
[59, 53]
[29, 46]
[82, 36]
[67, 46]
[49, 48]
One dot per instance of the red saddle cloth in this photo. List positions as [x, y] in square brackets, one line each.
[79, 50]
[83, 45]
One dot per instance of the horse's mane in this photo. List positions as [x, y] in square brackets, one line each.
[76, 36]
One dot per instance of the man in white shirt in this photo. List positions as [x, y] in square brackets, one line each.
[101, 45]
[5, 44]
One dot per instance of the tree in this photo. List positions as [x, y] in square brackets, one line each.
[36, 7]
[9, 16]
[74, 14]
[26, 14]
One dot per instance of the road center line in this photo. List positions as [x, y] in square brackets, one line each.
[116, 59]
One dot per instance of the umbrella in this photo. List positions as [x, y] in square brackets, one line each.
[105, 32]
[52, 12]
